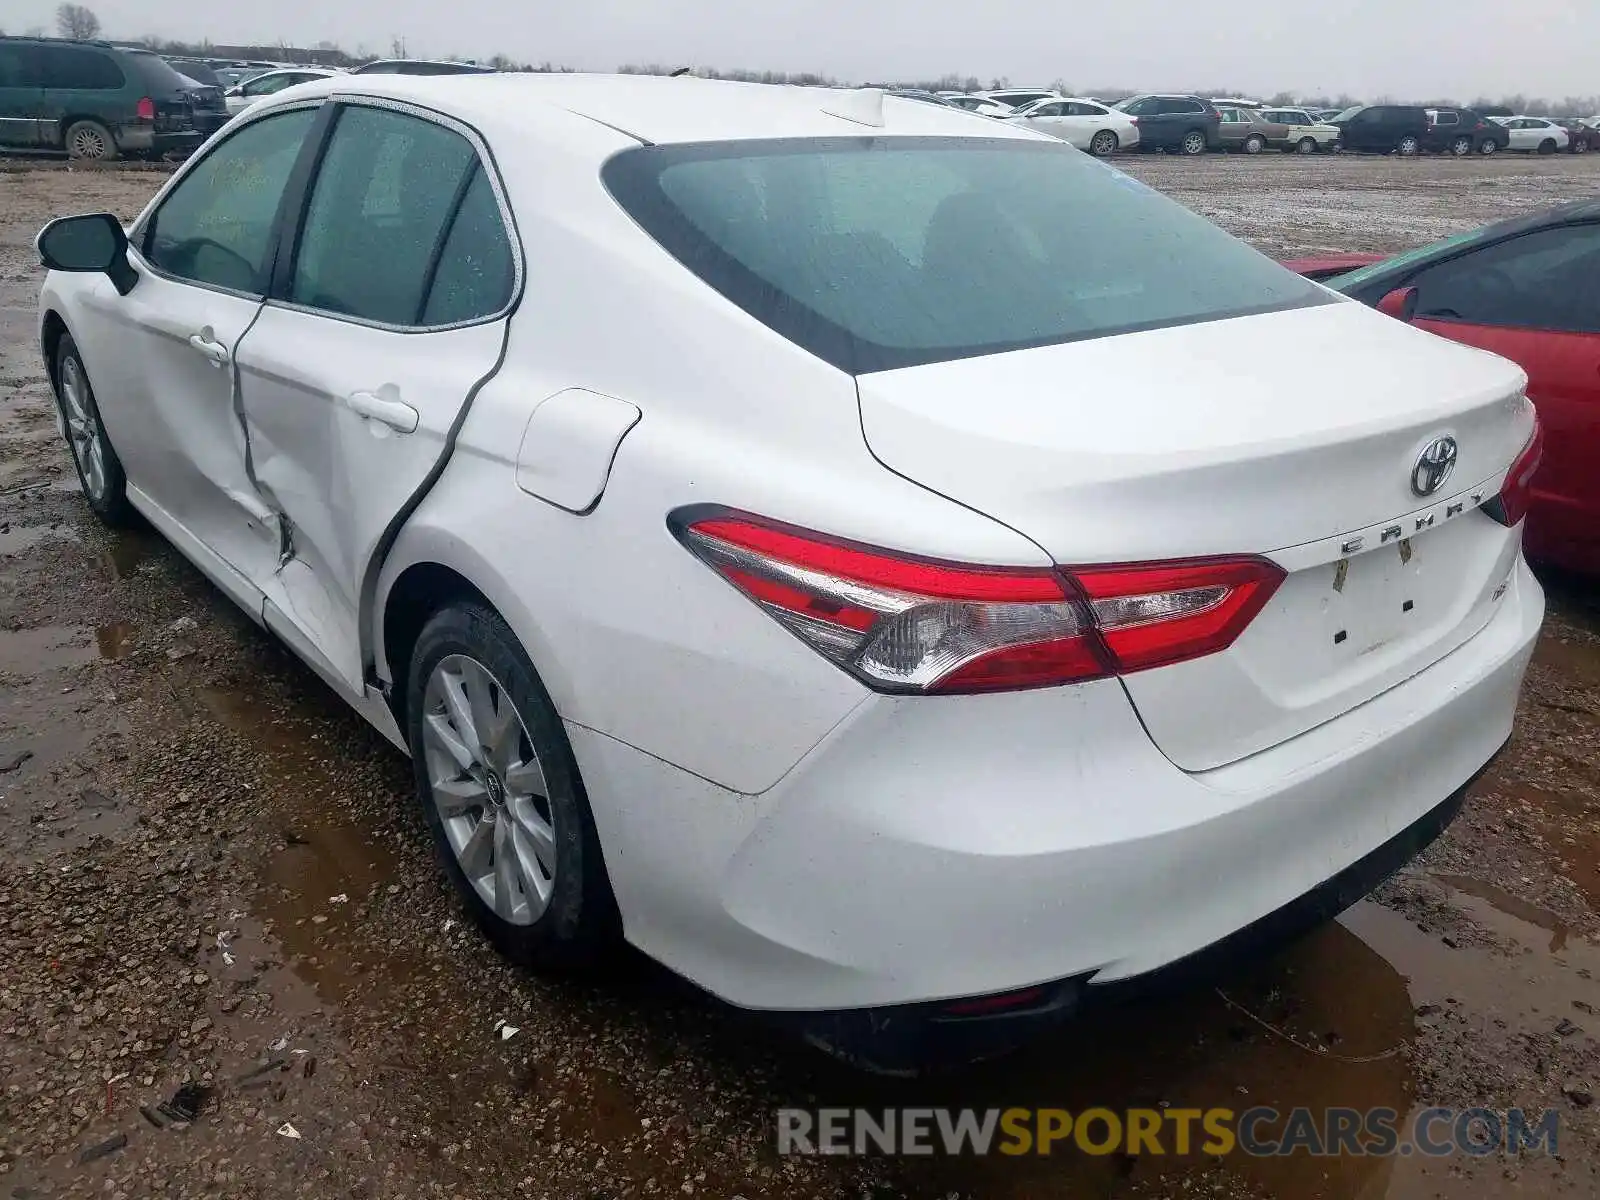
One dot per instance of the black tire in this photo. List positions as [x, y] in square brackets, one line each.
[1461, 147]
[1254, 144]
[1104, 144]
[91, 141]
[1306, 145]
[1548, 146]
[1488, 146]
[1193, 143]
[109, 501]
[580, 921]
[1579, 146]
[1408, 146]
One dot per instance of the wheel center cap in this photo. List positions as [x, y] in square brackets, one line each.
[496, 789]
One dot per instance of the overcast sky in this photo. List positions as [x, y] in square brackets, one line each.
[1412, 49]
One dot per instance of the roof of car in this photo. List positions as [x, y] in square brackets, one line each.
[658, 109]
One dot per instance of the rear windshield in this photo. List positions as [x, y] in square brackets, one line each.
[876, 253]
[157, 73]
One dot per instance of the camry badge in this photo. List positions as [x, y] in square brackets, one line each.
[1434, 465]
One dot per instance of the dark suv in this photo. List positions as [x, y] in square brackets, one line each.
[1383, 128]
[1460, 131]
[92, 100]
[1186, 124]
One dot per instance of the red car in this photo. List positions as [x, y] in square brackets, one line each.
[1529, 290]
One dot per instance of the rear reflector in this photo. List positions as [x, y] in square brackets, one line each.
[1516, 493]
[912, 625]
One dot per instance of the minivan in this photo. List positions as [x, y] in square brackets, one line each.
[92, 100]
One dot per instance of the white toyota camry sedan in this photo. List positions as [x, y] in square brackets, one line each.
[867, 556]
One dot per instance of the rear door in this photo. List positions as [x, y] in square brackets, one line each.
[1536, 300]
[21, 96]
[390, 312]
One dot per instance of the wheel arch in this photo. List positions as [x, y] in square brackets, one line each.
[52, 328]
[430, 572]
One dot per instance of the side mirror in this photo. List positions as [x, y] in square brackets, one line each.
[1401, 304]
[89, 244]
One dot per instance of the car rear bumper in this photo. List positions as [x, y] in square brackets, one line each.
[937, 848]
[144, 139]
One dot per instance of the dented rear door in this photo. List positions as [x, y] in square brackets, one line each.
[358, 372]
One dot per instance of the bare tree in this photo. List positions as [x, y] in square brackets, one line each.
[78, 22]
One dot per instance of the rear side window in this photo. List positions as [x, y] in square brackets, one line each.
[156, 72]
[73, 68]
[378, 229]
[854, 248]
[215, 226]
[18, 66]
[475, 272]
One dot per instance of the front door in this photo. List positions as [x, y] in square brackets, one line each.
[21, 96]
[203, 256]
[1535, 299]
[391, 312]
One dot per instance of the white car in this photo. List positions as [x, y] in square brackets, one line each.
[1087, 124]
[1307, 135]
[981, 105]
[1535, 134]
[903, 666]
[1018, 97]
[242, 95]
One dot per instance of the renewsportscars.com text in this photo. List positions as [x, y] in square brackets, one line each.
[1261, 1131]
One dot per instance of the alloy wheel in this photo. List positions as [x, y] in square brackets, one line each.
[1306, 146]
[1408, 146]
[1194, 143]
[489, 788]
[1103, 144]
[1461, 147]
[87, 142]
[83, 428]
[1488, 147]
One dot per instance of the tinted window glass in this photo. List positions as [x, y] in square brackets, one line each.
[387, 186]
[1544, 280]
[156, 72]
[215, 226]
[475, 272]
[853, 248]
[17, 67]
[76, 69]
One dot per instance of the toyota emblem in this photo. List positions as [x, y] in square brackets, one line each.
[1435, 464]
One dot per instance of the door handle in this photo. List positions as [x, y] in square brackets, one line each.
[210, 349]
[397, 415]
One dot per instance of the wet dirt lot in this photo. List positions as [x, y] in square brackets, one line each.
[211, 874]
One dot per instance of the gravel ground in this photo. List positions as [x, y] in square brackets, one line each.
[212, 875]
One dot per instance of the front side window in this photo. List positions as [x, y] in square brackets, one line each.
[215, 226]
[1549, 279]
[268, 84]
[380, 216]
[854, 247]
[1143, 106]
[72, 68]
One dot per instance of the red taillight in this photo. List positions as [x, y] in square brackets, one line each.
[1516, 493]
[906, 624]
[145, 110]
[1133, 120]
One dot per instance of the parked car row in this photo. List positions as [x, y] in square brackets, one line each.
[95, 100]
[1191, 124]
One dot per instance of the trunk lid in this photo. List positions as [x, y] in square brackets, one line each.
[1292, 435]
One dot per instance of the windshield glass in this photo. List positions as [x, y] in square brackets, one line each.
[854, 248]
[1348, 113]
